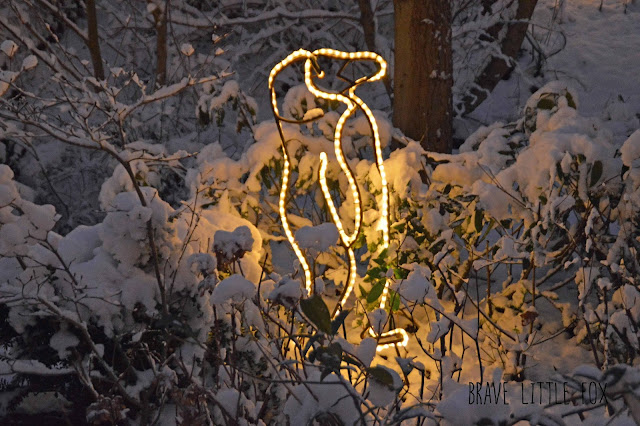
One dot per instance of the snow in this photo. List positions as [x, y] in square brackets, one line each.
[62, 341]
[366, 350]
[230, 400]
[292, 104]
[330, 395]
[78, 246]
[418, 288]
[318, 285]
[9, 48]
[187, 49]
[231, 243]
[597, 54]
[36, 403]
[378, 319]
[236, 288]
[320, 237]
[229, 90]
[288, 291]
[37, 368]
[312, 114]
[456, 410]
[630, 151]
[382, 394]
[438, 329]
[6, 78]
[124, 230]
[202, 263]
[29, 62]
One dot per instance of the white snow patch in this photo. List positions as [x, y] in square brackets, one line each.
[319, 237]
[235, 288]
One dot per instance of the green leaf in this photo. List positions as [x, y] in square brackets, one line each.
[264, 174]
[478, 219]
[350, 360]
[400, 227]
[338, 321]
[381, 376]
[378, 261]
[317, 312]
[330, 357]
[623, 170]
[570, 101]
[363, 292]
[220, 113]
[335, 350]
[395, 300]
[376, 272]
[400, 273]
[559, 171]
[325, 373]
[596, 172]
[375, 292]
[546, 103]
[309, 346]
[383, 254]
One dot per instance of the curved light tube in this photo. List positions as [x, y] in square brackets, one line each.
[352, 102]
[293, 57]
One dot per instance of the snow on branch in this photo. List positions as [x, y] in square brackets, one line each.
[166, 92]
[279, 12]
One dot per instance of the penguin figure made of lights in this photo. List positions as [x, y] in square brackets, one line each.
[352, 102]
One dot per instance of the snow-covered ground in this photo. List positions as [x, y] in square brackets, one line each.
[599, 54]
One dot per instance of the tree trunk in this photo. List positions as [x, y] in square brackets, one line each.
[160, 16]
[368, 22]
[423, 72]
[497, 67]
[93, 42]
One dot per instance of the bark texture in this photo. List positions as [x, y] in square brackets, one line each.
[423, 72]
[160, 16]
[368, 22]
[93, 42]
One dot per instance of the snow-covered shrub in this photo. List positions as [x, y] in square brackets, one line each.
[179, 301]
[138, 89]
[109, 308]
[540, 208]
[559, 202]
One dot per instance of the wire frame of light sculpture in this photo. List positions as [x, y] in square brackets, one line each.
[352, 102]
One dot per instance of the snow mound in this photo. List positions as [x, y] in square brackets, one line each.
[319, 237]
[236, 288]
[233, 244]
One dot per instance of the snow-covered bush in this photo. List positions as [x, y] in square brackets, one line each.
[176, 299]
[529, 234]
[138, 80]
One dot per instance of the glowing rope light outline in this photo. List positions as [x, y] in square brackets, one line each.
[352, 102]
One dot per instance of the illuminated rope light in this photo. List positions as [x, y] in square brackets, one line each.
[293, 57]
[352, 102]
[351, 279]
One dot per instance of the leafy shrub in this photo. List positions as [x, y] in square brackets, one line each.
[188, 312]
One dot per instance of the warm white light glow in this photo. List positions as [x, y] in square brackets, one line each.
[352, 102]
[293, 57]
